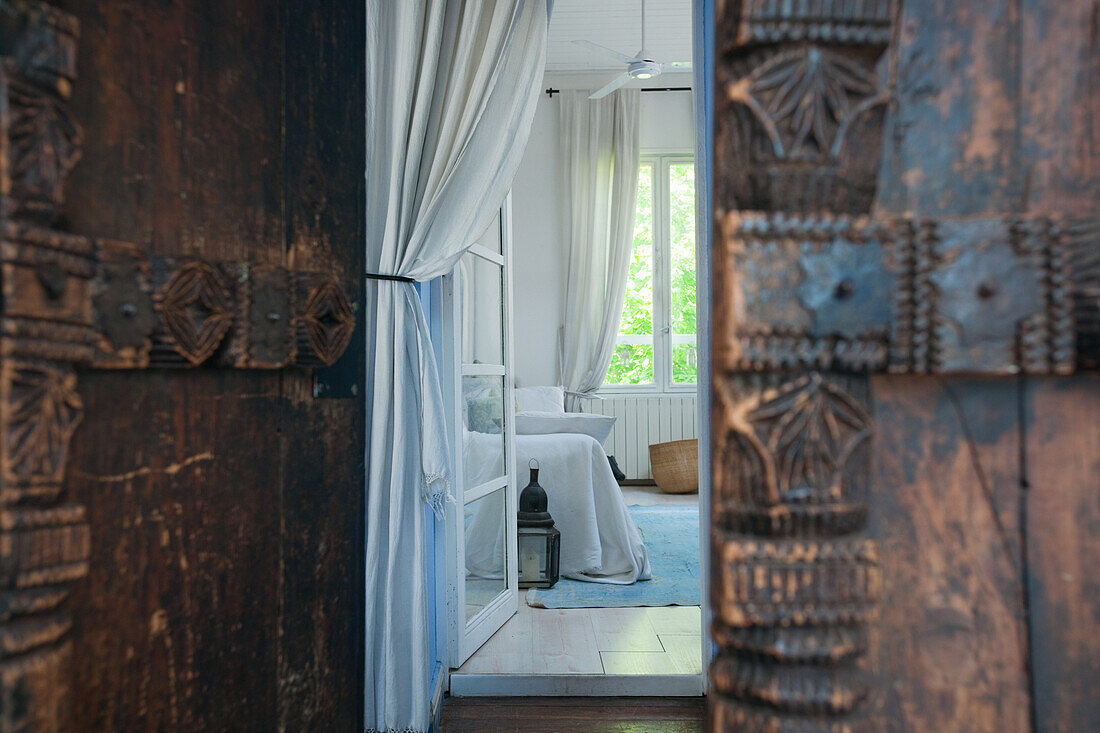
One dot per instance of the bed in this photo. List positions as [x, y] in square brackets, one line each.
[599, 541]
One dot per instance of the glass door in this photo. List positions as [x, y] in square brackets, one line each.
[481, 523]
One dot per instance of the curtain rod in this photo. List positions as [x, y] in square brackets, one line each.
[551, 91]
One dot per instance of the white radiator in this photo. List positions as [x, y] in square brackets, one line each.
[642, 420]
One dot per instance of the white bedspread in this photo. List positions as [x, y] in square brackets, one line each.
[599, 541]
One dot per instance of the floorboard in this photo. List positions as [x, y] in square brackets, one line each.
[591, 714]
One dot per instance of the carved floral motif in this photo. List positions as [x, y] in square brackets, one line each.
[807, 431]
[41, 411]
[793, 583]
[44, 147]
[806, 99]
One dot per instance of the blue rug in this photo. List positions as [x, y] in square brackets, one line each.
[671, 536]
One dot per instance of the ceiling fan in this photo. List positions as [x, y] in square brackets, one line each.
[640, 66]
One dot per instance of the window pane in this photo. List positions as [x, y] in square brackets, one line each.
[681, 191]
[491, 238]
[632, 362]
[481, 293]
[482, 430]
[486, 560]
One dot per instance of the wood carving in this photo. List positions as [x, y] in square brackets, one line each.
[802, 105]
[804, 282]
[196, 310]
[328, 321]
[990, 295]
[69, 301]
[987, 295]
[46, 326]
[793, 584]
[807, 291]
[44, 147]
[41, 412]
[813, 293]
[1083, 253]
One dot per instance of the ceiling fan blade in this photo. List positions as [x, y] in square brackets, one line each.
[617, 82]
[685, 65]
[605, 50]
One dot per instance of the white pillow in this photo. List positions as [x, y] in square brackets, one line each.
[546, 423]
[540, 399]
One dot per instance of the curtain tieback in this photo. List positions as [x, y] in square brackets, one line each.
[392, 278]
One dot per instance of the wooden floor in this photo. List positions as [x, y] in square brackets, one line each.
[596, 641]
[587, 714]
[593, 641]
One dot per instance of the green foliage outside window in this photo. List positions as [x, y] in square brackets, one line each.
[633, 359]
[633, 364]
[681, 192]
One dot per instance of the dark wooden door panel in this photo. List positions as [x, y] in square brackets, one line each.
[177, 622]
[220, 511]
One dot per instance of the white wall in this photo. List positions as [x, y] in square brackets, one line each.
[538, 259]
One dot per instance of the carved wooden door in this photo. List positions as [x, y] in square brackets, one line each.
[906, 448]
[181, 201]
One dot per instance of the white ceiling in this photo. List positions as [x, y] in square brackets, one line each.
[616, 24]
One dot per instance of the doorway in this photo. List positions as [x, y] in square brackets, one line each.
[604, 646]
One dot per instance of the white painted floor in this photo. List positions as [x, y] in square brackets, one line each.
[613, 642]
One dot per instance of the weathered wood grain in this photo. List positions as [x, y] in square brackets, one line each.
[225, 590]
[321, 621]
[949, 648]
[176, 625]
[1063, 531]
[951, 136]
[1060, 106]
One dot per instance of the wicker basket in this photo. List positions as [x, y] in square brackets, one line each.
[675, 466]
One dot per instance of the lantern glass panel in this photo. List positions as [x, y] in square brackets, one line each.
[539, 550]
[486, 562]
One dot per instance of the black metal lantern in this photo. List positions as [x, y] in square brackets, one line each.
[539, 539]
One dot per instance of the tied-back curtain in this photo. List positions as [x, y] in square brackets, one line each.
[600, 146]
[451, 89]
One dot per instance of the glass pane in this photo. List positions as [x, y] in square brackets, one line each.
[681, 229]
[486, 562]
[481, 293]
[632, 362]
[491, 238]
[483, 430]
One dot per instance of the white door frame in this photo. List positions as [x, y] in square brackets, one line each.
[463, 638]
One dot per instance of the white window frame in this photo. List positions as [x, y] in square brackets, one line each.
[661, 160]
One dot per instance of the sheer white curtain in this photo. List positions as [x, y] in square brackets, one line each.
[600, 145]
[451, 89]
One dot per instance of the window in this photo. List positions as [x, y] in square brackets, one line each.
[656, 347]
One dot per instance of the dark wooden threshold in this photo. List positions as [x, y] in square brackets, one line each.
[589, 714]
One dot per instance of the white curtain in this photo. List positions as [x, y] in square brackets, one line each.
[451, 89]
[600, 146]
